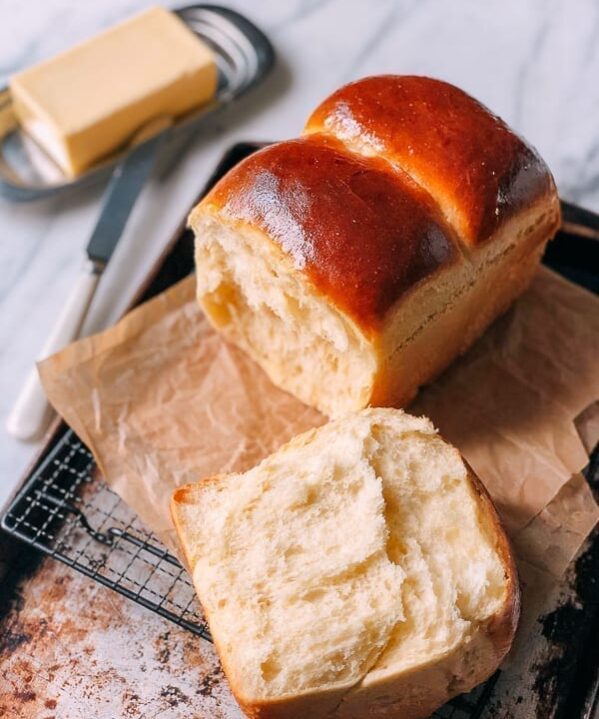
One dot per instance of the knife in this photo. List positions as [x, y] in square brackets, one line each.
[31, 412]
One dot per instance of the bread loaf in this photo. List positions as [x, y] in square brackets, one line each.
[359, 571]
[354, 264]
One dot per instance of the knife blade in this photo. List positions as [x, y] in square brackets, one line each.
[119, 198]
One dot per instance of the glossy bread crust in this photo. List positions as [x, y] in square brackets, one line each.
[362, 234]
[407, 208]
[477, 169]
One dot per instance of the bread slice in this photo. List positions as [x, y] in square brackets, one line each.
[361, 570]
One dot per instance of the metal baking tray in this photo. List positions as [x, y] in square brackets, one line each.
[244, 56]
[65, 509]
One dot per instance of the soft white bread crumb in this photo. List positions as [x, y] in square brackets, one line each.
[349, 569]
[252, 292]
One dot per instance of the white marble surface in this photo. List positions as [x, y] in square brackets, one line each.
[535, 62]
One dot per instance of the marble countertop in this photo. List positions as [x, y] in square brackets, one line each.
[534, 62]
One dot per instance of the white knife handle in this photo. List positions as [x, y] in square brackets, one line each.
[31, 412]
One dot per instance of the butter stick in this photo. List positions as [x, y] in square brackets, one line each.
[83, 104]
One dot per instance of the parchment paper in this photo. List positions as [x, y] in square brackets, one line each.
[161, 400]
[511, 403]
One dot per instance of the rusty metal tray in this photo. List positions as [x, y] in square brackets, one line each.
[66, 510]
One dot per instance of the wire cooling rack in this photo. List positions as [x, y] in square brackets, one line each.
[67, 510]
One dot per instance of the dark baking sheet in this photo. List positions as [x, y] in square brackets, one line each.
[561, 681]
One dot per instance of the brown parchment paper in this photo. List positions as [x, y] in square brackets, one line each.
[511, 403]
[161, 400]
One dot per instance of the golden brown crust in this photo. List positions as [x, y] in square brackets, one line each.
[502, 627]
[364, 235]
[182, 495]
[479, 171]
